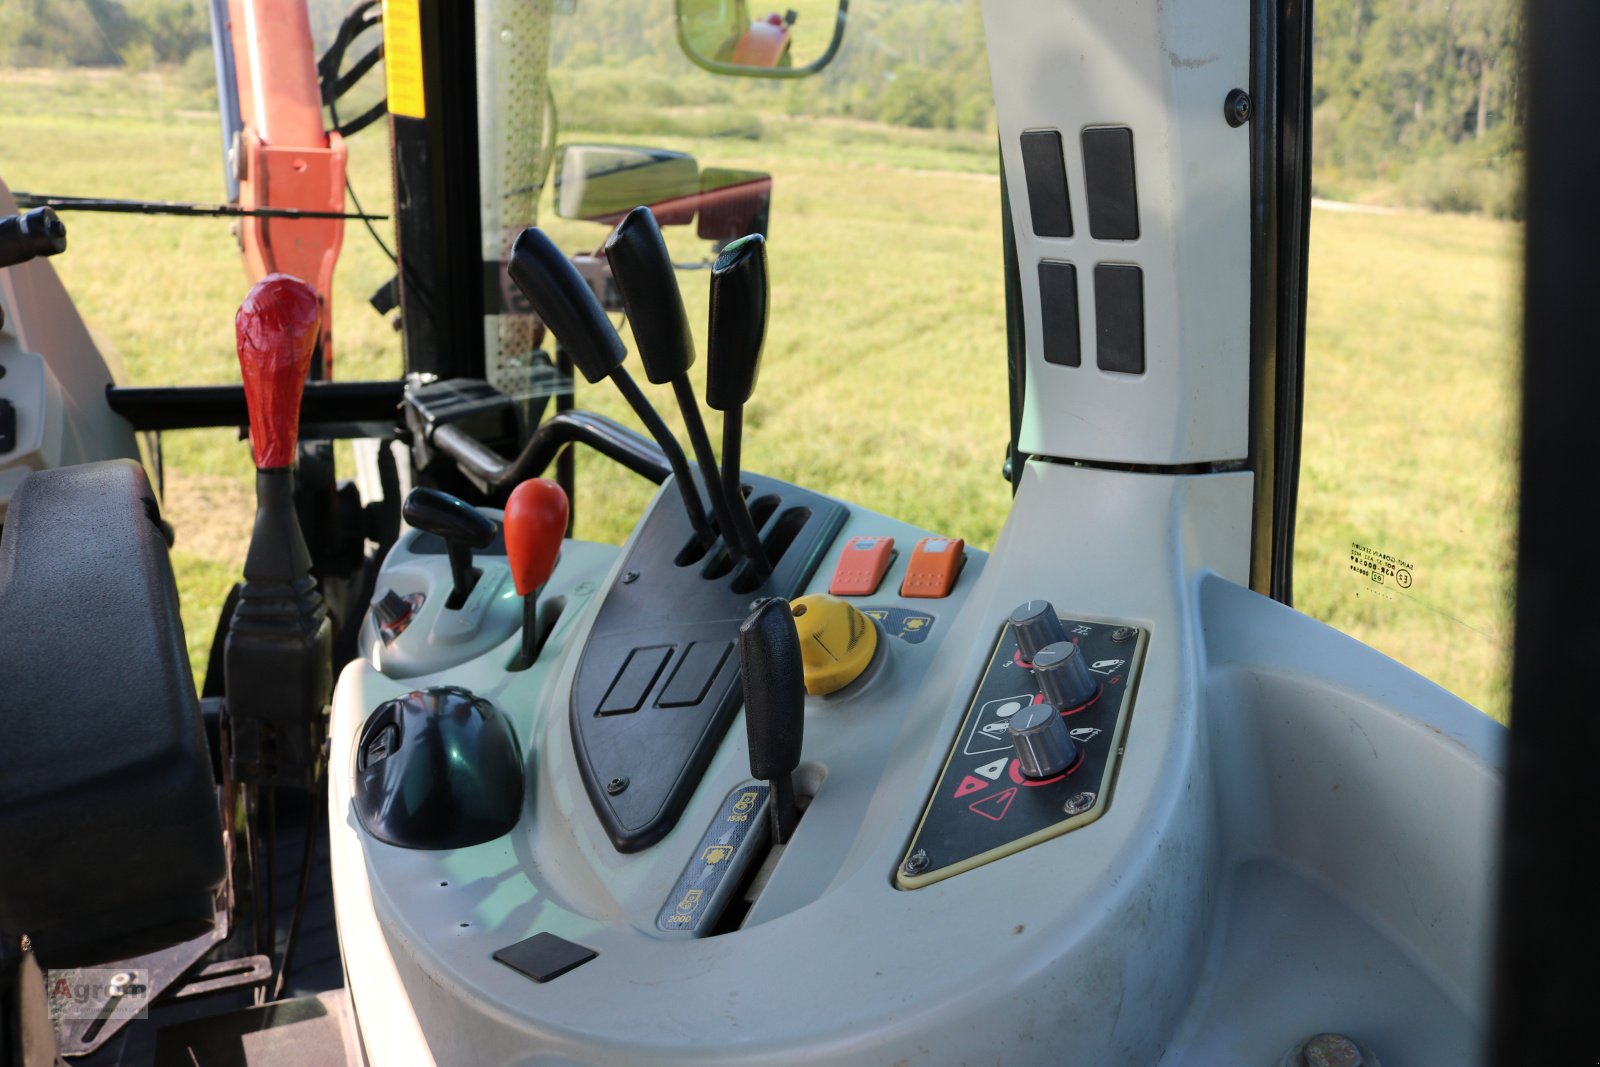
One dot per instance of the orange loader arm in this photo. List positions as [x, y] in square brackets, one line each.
[284, 158]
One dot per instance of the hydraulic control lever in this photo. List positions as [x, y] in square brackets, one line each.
[32, 234]
[568, 306]
[733, 360]
[536, 523]
[463, 529]
[774, 706]
[279, 654]
[643, 269]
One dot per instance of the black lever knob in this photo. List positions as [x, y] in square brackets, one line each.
[1035, 625]
[463, 528]
[568, 306]
[35, 233]
[774, 705]
[1063, 677]
[733, 359]
[643, 269]
[566, 303]
[738, 322]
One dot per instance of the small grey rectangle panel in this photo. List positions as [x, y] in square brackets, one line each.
[1045, 170]
[1119, 318]
[1058, 312]
[1109, 184]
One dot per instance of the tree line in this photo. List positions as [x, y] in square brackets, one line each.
[1417, 100]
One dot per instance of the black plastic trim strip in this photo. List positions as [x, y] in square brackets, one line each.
[1280, 220]
[1546, 983]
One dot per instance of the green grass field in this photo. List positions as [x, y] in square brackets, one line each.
[882, 382]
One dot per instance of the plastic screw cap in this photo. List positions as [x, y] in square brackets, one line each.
[277, 329]
[1036, 625]
[535, 524]
[1044, 745]
[1062, 675]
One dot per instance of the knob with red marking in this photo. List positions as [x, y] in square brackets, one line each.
[277, 328]
[535, 525]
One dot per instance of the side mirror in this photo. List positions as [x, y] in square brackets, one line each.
[728, 37]
[602, 183]
[732, 204]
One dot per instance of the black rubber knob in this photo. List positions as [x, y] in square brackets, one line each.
[1036, 625]
[738, 322]
[450, 517]
[566, 303]
[35, 233]
[1042, 741]
[774, 689]
[1063, 677]
[643, 269]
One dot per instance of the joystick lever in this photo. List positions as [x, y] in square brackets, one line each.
[642, 267]
[536, 524]
[568, 306]
[774, 706]
[463, 529]
[278, 659]
[733, 360]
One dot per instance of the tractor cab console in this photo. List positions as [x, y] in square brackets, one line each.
[783, 778]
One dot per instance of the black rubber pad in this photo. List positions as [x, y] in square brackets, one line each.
[545, 956]
[1108, 177]
[1046, 175]
[1058, 307]
[1119, 318]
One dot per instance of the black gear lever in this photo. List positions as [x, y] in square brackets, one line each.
[643, 269]
[568, 306]
[463, 528]
[733, 359]
[774, 705]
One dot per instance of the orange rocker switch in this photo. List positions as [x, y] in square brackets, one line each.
[862, 566]
[935, 563]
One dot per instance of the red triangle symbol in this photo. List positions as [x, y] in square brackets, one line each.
[995, 805]
[969, 784]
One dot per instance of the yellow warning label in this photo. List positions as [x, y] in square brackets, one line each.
[402, 58]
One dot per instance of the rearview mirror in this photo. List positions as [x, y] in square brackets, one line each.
[728, 37]
[603, 182]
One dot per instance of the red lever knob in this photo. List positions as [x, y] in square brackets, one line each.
[535, 523]
[277, 329]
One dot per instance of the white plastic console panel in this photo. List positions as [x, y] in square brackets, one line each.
[1163, 71]
[1300, 839]
[55, 374]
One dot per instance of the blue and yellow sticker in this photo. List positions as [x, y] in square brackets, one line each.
[912, 627]
[722, 850]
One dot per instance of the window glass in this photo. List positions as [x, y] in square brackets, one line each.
[1407, 507]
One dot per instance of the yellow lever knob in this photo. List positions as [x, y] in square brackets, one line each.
[836, 641]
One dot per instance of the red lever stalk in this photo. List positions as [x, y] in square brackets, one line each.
[277, 329]
[535, 524]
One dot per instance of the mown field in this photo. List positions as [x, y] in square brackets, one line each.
[883, 380]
